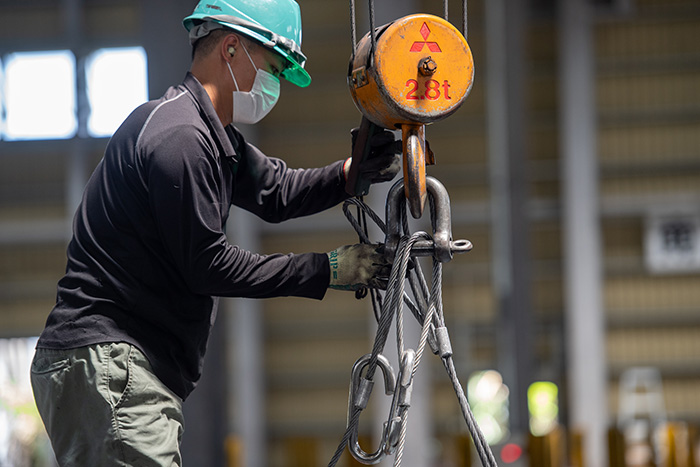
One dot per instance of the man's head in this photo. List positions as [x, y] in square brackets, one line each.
[274, 25]
[241, 77]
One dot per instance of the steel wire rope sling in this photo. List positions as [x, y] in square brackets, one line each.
[428, 311]
[440, 73]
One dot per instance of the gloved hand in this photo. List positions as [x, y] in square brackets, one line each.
[384, 159]
[356, 266]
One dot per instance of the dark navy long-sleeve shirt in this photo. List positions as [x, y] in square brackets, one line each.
[149, 254]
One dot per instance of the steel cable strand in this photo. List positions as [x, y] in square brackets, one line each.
[392, 302]
[416, 277]
[435, 300]
[435, 305]
[361, 230]
[353, 28]
[402, 441]
[482, 447]
[464, 19]
[356, 224]
[425, 330]
[403, 255]
[382, 333]
[353, 421]
[393, 298]
[435, 315]
[419, 287]
[384, 325]
[436, 297]
[372, 32]
[394, 294]
[362, 235]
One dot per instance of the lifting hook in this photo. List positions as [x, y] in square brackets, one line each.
[360, 391]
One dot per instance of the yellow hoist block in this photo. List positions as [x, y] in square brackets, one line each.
[420, 71]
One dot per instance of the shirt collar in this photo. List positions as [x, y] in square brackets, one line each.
[222, 137]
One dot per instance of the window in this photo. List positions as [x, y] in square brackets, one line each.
[39, 95]
[116, 84]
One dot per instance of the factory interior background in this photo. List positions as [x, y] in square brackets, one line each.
[573, 167]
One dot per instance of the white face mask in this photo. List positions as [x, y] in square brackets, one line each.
[252, 106]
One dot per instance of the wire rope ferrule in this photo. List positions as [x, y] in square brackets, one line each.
[444, 346]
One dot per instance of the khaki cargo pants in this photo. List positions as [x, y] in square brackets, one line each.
[103, 406]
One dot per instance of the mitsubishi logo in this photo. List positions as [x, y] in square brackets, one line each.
[418, 45]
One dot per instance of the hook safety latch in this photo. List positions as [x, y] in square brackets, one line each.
[360, 391]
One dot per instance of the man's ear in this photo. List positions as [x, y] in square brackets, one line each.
[229, 46]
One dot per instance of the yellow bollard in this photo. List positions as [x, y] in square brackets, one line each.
[616, 447]
[676, 445]
[548, 450]
[465, 448]
[233, 447]
[302, 452]
[576, 454]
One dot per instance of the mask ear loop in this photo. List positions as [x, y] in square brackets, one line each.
[234, 78]
[251, 60]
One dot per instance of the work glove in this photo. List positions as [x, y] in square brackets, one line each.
[383, 161]
[354, 267]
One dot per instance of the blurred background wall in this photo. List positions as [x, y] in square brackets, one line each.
[573, 167]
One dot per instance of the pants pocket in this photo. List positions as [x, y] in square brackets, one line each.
[47, 374]
[119, 371]
[49, 361]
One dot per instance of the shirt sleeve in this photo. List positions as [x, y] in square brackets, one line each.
[268, 188]
[186, 197]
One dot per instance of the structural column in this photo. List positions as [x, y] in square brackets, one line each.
[507, 149]
[585, 325]
[245, 349]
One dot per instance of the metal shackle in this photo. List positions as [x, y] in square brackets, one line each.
[442, 247]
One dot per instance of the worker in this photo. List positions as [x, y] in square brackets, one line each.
[124, 345]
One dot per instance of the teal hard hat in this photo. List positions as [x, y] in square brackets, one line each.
[276, 24]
